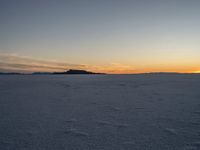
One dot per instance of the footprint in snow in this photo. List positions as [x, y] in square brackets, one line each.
[103, 123]
[188, 148]
[197, 112]
[195, 123]
[32, 132]
[159, 99]
[121, 84]
[93, 103]
[107, 123]
[71, 120]
[193, 146]
[75, 132]
[139, 108]
[64, 85]
[171, 131]
[129, 143]
[121, 125]
[114, 108]
[5, 144]
[196, 144]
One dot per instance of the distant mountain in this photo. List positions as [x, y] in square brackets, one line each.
[73, 71]
[82, 72]
[41, 73]
[9, 73]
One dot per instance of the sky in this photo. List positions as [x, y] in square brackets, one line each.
[111, 36]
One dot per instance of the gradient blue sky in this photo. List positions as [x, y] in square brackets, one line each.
[116, 36]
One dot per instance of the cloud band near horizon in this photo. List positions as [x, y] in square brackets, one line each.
[17, 63]
[26, 64]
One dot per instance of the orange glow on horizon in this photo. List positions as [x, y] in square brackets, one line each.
[147, 70]
[17, 63]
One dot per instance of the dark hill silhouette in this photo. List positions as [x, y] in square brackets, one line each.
[9, 73]
[41, 73]
[73, 71]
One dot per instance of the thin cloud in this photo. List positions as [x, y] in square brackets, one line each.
[18, 63]
[13, 62]
[114, 68]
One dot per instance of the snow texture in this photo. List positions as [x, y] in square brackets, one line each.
[100, 112]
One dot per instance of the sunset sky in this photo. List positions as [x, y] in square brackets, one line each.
[111, 36]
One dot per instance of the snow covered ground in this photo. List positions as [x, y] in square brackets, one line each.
[100, 112]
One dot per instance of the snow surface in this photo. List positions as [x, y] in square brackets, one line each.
[100, 112]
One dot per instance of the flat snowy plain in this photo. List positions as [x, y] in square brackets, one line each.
[100, 112]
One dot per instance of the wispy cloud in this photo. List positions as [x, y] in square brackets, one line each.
[13, 62]
[18, 63]
[113, 68]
